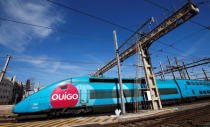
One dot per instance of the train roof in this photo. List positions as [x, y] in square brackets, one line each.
[109, 80]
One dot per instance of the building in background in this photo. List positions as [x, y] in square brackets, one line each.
[18, 92]
[11, 91]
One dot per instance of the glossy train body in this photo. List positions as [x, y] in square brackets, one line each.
[98, 93]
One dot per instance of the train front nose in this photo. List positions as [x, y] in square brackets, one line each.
[21, 107]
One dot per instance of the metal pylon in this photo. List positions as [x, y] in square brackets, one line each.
[137, 81]
[150, 78]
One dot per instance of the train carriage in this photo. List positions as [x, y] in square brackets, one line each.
[84, 94]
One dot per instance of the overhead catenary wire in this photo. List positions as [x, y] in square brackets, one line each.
[172, 45]
[206, 2]
[188, 65]
[90, 15]
[50, 60]
[158, 5]
[84, 13]
[105, 20]
[167, 52]
[177, 49]
[51, 28]
[47, 27]
[173, 54]
[24, 59]
[166, 9]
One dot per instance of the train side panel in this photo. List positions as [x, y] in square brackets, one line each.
[108, 93]
[168, 89]
[82, 92]
[192, 88]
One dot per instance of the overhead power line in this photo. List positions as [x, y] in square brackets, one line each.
[175, 48]
[90, 15]
[166, 9]
[51, 28]
[50, 60]
[58, 60]
[204, 2]
[171, 45]
[173, 54]
[74, 33]
[197, 23]
[189, 65]
[158, 5]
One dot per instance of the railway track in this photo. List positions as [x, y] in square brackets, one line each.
[14, 118]
[187, 118]
[185, 115]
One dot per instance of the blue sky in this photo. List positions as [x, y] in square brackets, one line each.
[49, 56]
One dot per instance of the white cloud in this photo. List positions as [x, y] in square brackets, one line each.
[50, 65]
[18, 36]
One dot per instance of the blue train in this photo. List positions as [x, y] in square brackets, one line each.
[85, 94]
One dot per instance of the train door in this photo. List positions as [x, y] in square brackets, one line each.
[186, 89]
[84, 95]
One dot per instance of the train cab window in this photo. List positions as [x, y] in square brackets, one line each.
[64, 87]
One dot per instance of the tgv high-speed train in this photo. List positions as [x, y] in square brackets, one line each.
[84, 94]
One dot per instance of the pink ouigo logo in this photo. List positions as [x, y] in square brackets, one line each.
[65, 95]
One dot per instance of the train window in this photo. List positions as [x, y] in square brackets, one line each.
[115, 80]
[193, 92]
[192, 83]
[188, 83]
[200, 92]
[64, 87]
[204, 92]
[101, 94]
[197, 83]
[166, 91]
[208, 91]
